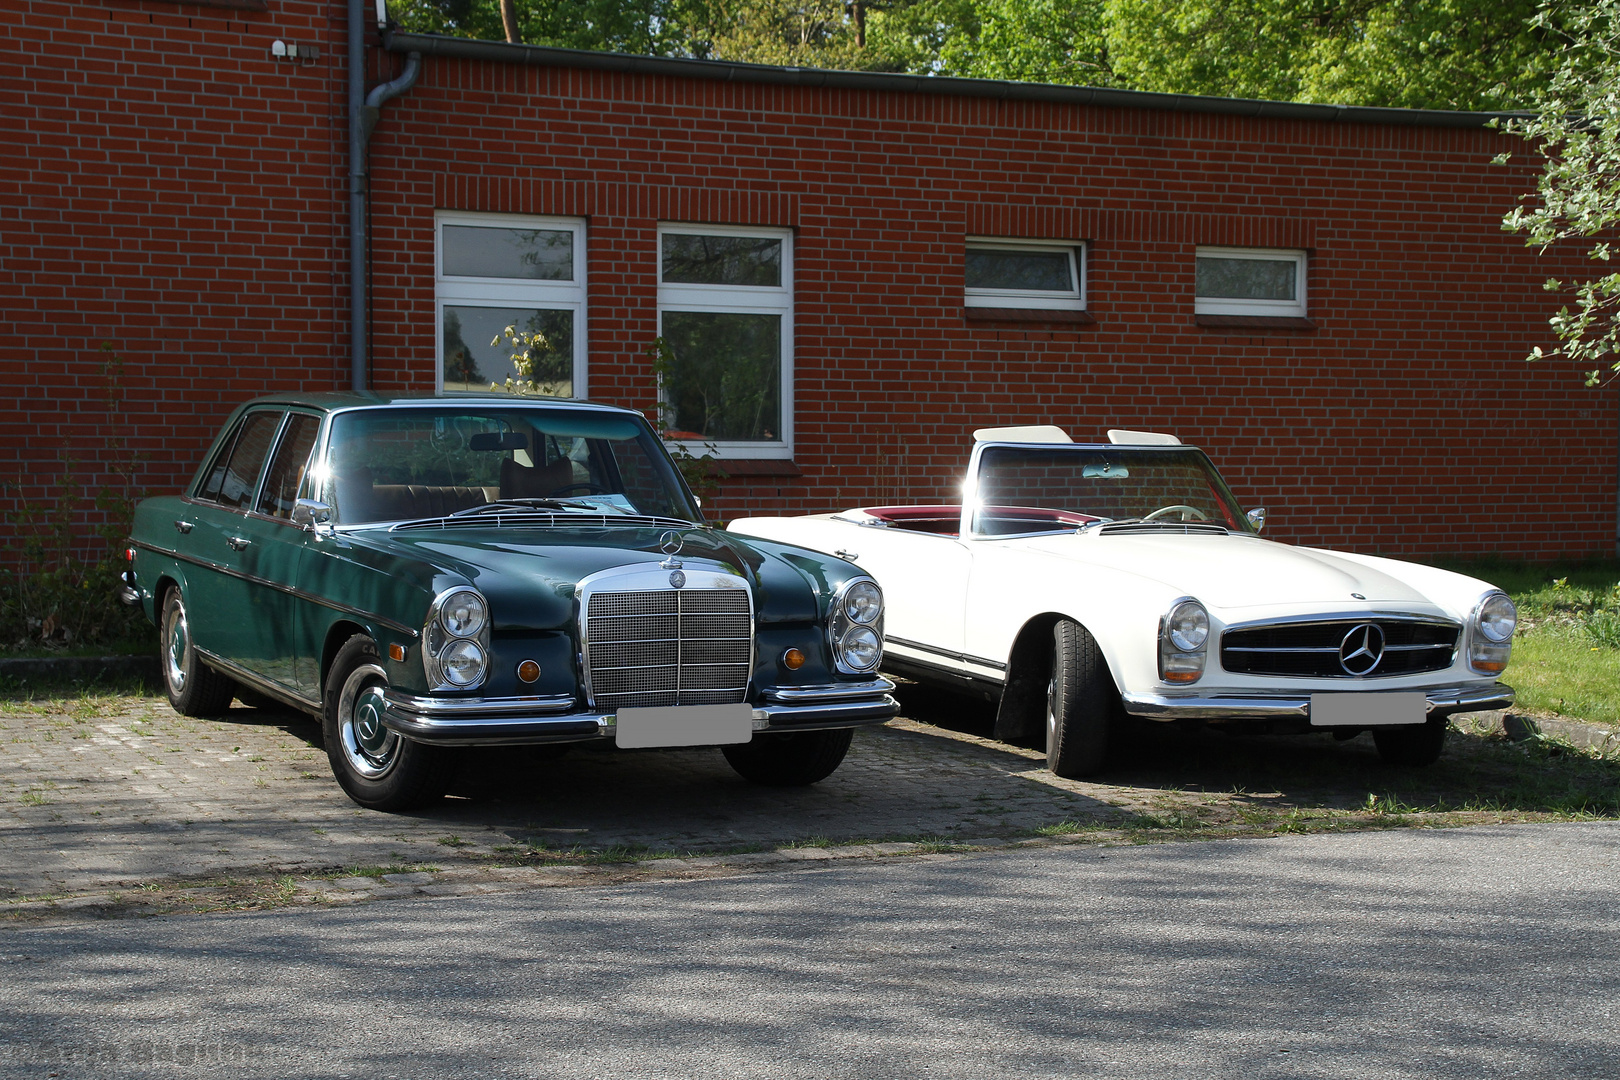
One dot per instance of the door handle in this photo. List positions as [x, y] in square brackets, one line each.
[182, 526]
[237, 543]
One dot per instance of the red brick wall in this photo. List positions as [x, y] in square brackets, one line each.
[175, 192]
[182, 195]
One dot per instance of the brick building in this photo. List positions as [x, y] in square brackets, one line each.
[852, 271]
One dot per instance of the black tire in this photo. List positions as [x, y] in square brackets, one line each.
[378, 769]
[1414, 745]
[789, 759]
[1081, 703]
[194, 688]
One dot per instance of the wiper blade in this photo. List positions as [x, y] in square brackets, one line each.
[504, 505]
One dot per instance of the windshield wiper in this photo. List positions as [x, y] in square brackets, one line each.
[511, 504]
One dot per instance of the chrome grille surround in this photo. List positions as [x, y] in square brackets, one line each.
[1332, 646]
[644, 642]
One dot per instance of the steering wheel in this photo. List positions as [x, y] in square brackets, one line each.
[1188, 513]
[587, 488]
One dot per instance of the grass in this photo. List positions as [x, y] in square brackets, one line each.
[1566, 654]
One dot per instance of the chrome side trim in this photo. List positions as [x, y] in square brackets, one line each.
[1263, 706]
[943, 654]
[381, 620]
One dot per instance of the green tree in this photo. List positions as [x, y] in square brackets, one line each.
[1576, 132]
[1050, 41]
[1436, 54]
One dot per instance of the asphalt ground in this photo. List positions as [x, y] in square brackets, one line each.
[117, 805]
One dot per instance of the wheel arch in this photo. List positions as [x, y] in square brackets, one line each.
[338, 635]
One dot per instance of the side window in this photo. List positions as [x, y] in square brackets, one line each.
[235, 476]
[725, 309]
[286, 470]
[1039, 275]
[498, 271]
[1250, 281]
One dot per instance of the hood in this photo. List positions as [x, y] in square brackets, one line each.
[529, 574]
[1236, 572]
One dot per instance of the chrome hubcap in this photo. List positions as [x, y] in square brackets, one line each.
[175, 654]
[368, 746]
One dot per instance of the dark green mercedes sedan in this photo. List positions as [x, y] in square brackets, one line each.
[428, 573]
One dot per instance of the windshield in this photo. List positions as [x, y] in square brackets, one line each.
[408, 463]
[1025, 489]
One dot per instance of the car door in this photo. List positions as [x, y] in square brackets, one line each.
[220, 606]
[270, 551]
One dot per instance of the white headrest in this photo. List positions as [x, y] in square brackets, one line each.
[1120, 436]
[1037, 433]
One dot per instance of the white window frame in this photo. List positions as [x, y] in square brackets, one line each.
[467, 291]
[1033, 299]
[1227, 305]
[742, 300]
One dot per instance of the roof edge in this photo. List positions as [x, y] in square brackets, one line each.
[731, 71]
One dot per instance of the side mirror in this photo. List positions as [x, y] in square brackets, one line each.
[1257, 518]
[311, 515]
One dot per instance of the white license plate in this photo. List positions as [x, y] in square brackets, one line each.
[685, 725]
[1368, 710]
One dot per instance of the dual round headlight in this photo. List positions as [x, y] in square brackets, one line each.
[856, 627]
[455, 656]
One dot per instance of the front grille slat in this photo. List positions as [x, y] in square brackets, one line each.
[669, 647]
[1312, 649]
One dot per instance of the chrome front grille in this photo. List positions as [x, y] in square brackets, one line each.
[1338, 649]
[668, 647]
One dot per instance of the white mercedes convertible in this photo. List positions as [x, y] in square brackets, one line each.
[1077, 583]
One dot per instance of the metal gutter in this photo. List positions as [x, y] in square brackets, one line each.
[727, 71]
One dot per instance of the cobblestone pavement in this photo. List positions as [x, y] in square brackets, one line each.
[118, 805]
[120, 793]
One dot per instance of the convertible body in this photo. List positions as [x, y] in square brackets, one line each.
[1078, 583]
[427, 573]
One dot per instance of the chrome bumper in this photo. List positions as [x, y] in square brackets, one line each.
[1294, 706]
[497, 721]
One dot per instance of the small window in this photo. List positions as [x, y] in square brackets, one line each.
[725, 310]
[1024, 274]
[234, 479]
[1250, 281]
[287, 467]
[499, 271]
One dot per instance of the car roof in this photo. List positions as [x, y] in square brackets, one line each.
[335, 401]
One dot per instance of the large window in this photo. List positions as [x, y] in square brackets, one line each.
[725, 311]
[1250, 281]
[1039, 275]
[499, 271]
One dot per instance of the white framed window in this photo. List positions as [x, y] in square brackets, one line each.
[1037, 274]
[492, 271]
[725, 313]
[1250, 281]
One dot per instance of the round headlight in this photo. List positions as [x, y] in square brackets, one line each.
[464, 613]
[861, 650]
[1497, 618]
[462, 663]
[1187, 626]
[863, 603]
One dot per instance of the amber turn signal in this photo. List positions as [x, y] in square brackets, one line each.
[793, 659]
[528, 671]
[396, 652]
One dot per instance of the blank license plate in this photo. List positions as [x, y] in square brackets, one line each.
[685, 725]
[1368, 710]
